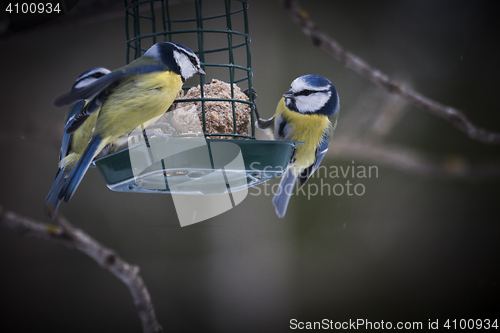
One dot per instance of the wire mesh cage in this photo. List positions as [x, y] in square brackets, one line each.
[216, 37]
[218, 32]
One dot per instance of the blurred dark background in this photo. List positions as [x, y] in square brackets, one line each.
[413, 247]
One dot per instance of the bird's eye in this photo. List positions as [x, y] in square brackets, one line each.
[193, 60]
[97, 75]
[305, 93]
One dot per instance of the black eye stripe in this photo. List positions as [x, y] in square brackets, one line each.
[193, 60]
[187, 54]
[308, 92]
[97, 75]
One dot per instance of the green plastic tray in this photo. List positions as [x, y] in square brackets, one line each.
[194, 165]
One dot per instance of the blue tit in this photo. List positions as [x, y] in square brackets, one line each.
[127, 98]
[306, 113]
[73, 144]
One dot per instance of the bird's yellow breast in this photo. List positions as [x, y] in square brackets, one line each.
[135, 101]
[307, 128]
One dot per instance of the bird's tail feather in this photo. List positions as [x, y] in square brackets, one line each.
[52, 200]
[282, 197]
[80, 169]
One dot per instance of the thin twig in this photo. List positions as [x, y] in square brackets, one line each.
[72, 237]
[448, 113]
[413, 161]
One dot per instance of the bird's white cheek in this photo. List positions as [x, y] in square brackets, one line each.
[311, 103]
[187, 68]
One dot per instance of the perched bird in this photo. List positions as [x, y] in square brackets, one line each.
[306, 113]
[75, 143]
[127, 98]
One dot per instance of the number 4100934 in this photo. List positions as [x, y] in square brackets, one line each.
[471, 324]
[33, 8]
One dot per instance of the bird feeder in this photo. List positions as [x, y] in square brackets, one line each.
[205, 143]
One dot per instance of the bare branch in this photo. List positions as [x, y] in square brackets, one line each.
[321, 39]
[414, 162]
[70, 236]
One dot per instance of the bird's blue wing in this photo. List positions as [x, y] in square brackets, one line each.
[98, 92]
[104, 82]
[86, 111]
[52, 200]
[69, 121]
[81, 167]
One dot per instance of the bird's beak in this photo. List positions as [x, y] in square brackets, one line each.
[201, 71]
[288, 94]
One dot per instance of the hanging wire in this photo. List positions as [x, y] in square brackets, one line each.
[139, 13]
